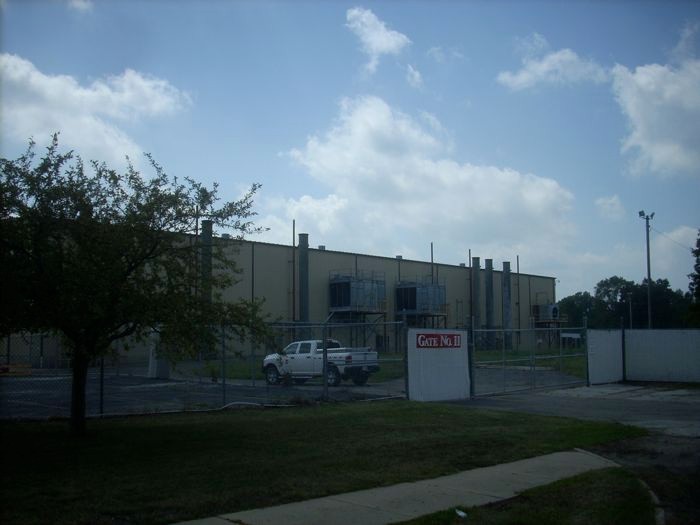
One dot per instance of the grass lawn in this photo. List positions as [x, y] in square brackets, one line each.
[175, 467]
[602, 497]
[391, 366]
[571, 364]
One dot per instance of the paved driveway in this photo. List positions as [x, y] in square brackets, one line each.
[671, 410]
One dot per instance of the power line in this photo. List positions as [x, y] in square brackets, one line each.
[684, 246]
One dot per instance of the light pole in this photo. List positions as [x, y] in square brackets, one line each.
[647, 218]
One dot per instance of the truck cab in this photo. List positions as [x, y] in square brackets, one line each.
[303, 360]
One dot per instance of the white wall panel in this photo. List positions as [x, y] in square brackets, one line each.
[604, 356]
[663, 355]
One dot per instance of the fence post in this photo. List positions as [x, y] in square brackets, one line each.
[470, 356]
[404, 334]
[624, 350]
[585, 334]
[561, 349]
[102, 386]
[223, 365]
[503, 359]
[533, 345]
[325, 361]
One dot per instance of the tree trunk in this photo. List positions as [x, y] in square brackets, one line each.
[77, 405]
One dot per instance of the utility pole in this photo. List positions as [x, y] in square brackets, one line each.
[647, 218]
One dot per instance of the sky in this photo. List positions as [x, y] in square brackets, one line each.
[530, 131]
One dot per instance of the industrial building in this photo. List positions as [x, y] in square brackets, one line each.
[314, 285]
[305, 286]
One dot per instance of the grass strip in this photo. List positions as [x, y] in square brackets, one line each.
[603, 497]
[168, 468]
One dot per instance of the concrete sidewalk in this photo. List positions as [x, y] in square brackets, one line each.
[410, 500]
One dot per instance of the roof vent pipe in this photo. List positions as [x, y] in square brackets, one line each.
[304, 277]
[476, 291]
[488, 291]
[507, 312]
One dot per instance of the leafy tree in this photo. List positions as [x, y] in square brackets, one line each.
[694, 286]
[100, 256]
[577, 308]
[668, 307]
[616, 298]
[612, 295]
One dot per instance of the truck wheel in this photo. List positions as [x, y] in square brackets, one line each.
[272, 376]
[333, 376]
[360, 379]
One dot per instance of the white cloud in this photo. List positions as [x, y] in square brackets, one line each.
[433, 122]
[87, 116]
[391, 185]
[610, 207]
[413, 77]
[80, 5]
[440, 55]
[661, 102]
[662, 106]
[437, 54]
[686, 43]
[670, 259]
[323, 218]
[375, 37]
[532, 46]
[556, 67]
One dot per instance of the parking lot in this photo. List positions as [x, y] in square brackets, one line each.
[45, 394]
[48, 395]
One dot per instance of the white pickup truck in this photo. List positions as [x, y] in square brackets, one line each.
[302, 360]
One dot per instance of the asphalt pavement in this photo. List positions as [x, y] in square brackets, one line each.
[670, 409]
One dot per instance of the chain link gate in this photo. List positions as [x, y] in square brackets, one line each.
[513, 360]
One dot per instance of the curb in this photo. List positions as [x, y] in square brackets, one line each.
[659, 512]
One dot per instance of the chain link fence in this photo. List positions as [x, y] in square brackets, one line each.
[512, 360]
[35, 374]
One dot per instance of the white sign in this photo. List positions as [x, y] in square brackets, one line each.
[438, 365]
[438, 340]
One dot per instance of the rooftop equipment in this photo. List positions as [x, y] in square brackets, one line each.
[421, 298]
[357, 292]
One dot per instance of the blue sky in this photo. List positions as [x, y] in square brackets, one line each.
[530, 129]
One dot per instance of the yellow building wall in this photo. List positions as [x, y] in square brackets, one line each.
[267, 271]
